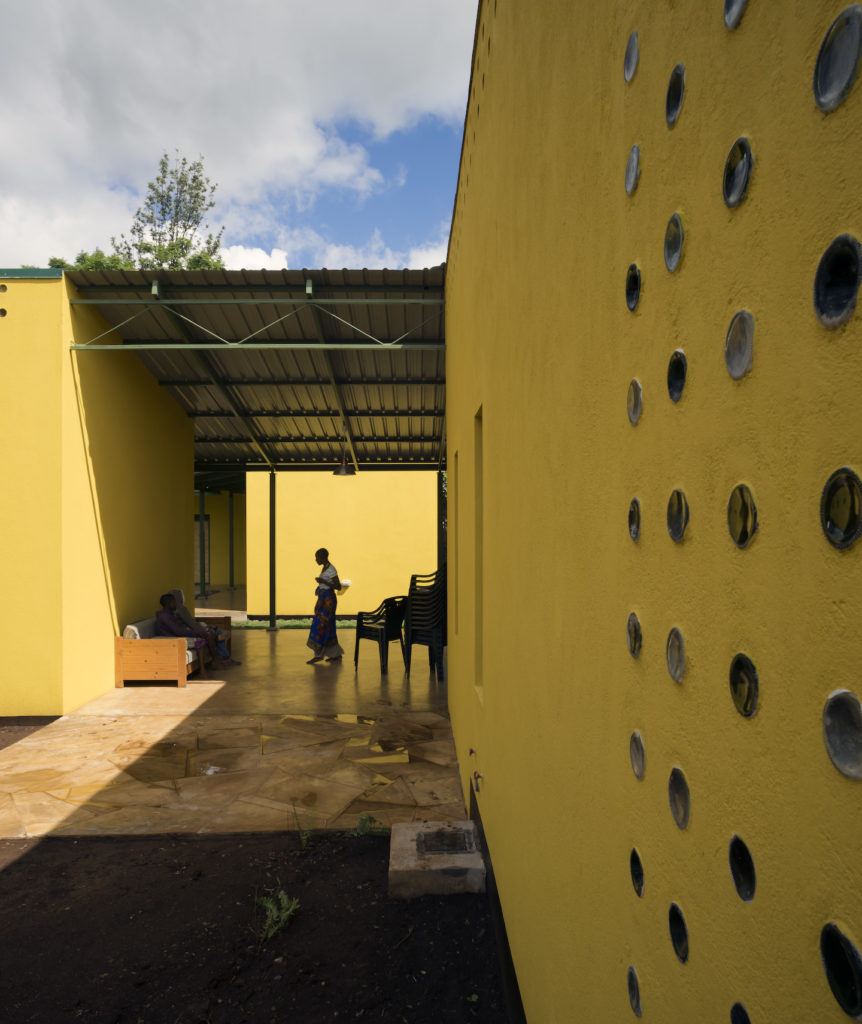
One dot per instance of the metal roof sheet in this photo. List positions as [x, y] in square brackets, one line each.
[288, 369]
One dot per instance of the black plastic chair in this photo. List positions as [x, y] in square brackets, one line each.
[425, 618]
[382, 625]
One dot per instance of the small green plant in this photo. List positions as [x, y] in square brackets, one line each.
[302, 831]
[279, 909]
[368, 825]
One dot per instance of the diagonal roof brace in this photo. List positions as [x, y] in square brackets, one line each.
[213, 378]
[339, 404]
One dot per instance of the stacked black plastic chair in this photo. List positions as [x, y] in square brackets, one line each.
[383, 625]
[425, 618]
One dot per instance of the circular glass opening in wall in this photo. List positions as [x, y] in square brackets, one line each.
[679, 797]
[634, 519]
[633, 170]
[634, 638]
[634, 401]
[741, 515]
[838, 59]
[675, 655]
[733, 11]
[841, 508]
[836, 284]
[843, 967]
[742, 869]
[739, 344]
[743, 685]
[630, 61]
[677, 515]
[637, 754]
[737, 171]
[739, 1014]
[633, 286]
[678, 932]
[677, 369]
[842, 732]
[673, 239]
[634, 991]
[675, 95]
[637, 871]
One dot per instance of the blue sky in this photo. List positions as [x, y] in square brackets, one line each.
[332, 130]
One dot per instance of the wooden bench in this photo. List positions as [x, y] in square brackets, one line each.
[140, 655]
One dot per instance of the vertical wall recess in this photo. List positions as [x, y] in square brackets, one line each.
[838, 59]
[478, 545]
[841, 508]
[843, 967]
[679, 797]
[842, 732]
[743, 685]
[739, 344]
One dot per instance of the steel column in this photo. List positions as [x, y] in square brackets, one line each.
[272, 626]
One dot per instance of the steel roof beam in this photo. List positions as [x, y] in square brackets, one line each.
[331, 439]
[271, 414]
[309, 382]
[330, 372]
[287, 300]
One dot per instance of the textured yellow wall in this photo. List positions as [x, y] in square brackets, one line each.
[379, 529]
[98, 525]
[216, 507]
[30, 518]
[541, 344]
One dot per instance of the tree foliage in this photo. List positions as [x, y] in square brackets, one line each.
[168, 231]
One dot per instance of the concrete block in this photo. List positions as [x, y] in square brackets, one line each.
[434, 858]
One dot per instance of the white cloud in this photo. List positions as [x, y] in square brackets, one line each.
[241, 257]
[97, 90]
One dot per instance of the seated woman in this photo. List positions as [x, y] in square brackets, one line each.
[202, 630]
[322, 638]
[167, 624]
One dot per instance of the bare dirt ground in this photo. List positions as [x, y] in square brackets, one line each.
[168, 930]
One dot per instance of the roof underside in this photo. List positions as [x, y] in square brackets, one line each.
[290, 369]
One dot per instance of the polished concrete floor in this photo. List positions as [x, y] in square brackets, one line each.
[272, 744]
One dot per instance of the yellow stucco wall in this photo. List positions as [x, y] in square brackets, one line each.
[379, 528]
[30, 514]
[216, 506]
[96, 525]
[541, 349]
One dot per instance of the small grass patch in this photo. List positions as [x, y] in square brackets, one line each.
[279, 909]
[287, 624]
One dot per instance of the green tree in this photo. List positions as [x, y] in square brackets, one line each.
[95, 260]
[168, 230]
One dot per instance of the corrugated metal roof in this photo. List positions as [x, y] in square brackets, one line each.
[289, 368]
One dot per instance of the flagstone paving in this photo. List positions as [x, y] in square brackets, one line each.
[275, 744]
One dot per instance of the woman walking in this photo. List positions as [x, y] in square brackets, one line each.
[322, 638]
